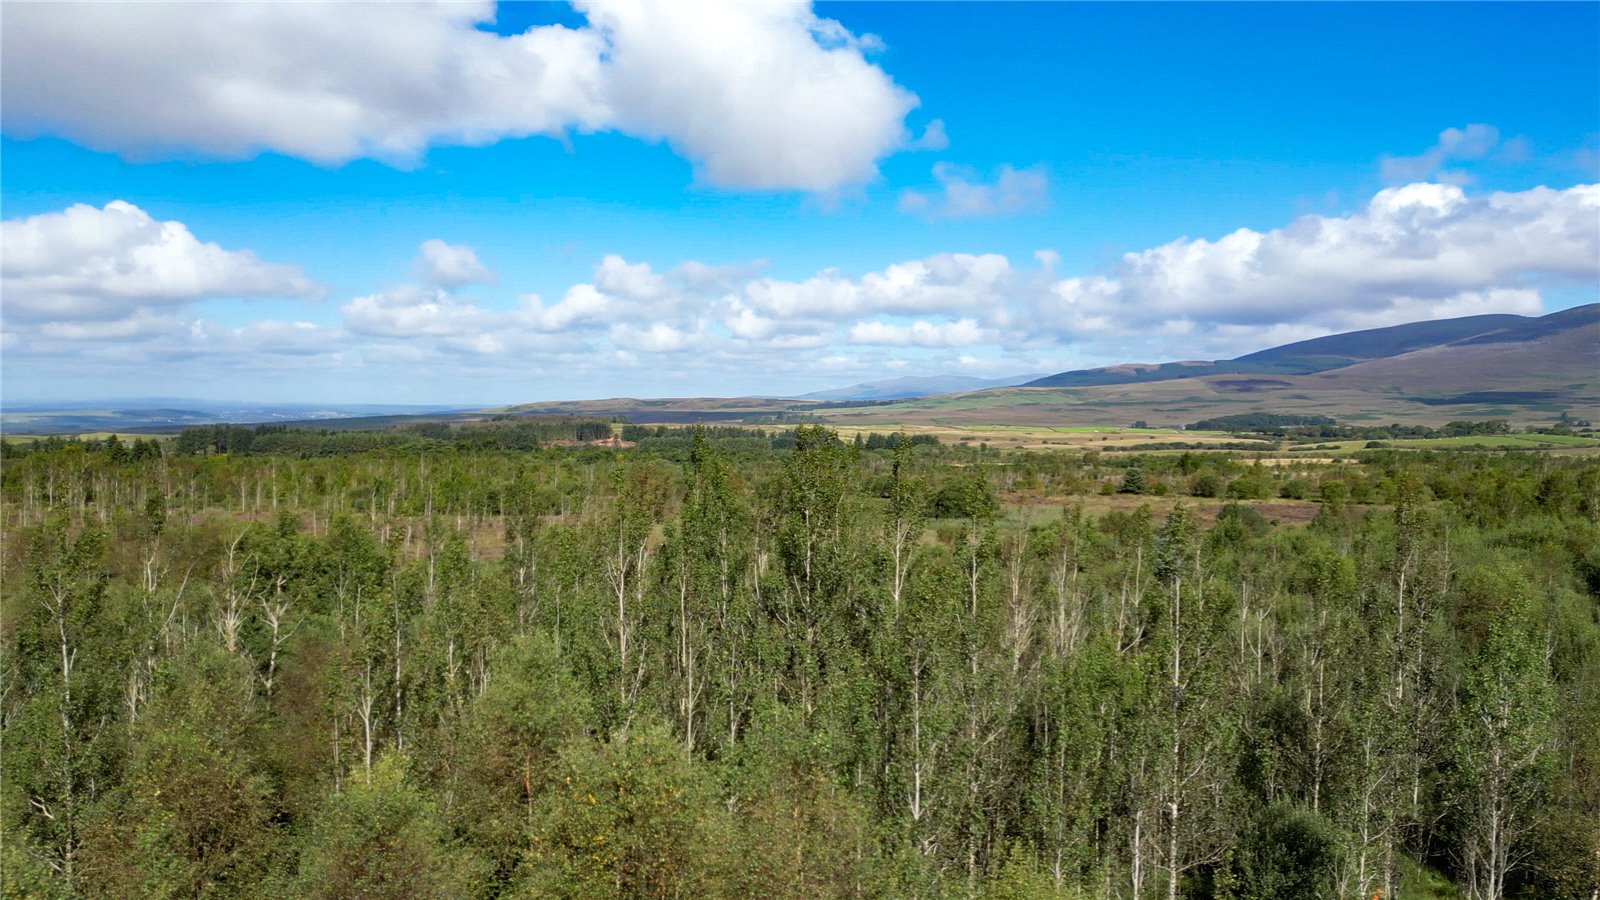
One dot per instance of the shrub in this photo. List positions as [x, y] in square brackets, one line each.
[966, 496]
[1250, 487]
[1206, 485]
[1287, 853]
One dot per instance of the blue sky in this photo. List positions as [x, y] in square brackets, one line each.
[711, 200]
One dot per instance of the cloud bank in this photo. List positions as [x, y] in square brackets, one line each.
[115, 288]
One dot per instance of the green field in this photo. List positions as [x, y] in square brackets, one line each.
[1466, 442]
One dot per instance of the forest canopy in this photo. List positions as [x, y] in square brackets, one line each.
[726, 663]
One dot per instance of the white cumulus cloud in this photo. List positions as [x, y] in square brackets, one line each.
[411, 311]
[759, 95]
[451, 265]
[89, 262]
[1417, 251]
[620, 291]
[943, 283]
[657, 337]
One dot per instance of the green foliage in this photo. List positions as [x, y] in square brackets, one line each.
[1206, 485]
[796, 832]
[504, 433]
[1019, 878]
[1237, 522]
[631, 817]
[1134, 481]
[1504, 738]
[1286, 853]
[382, 838]
[195, 818]
[1257, 422]
[1333, 493]
[510, 745]
[1249, 487]
[965, 496]
[730, 663]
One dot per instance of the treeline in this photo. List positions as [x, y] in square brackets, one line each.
[116, 449]
[504, 433]
[826, 671]
[1258, 444]
[1259, 421]
[675, 441]
[1309, 428]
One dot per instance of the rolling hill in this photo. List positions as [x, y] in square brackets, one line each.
[1336, 350]
[1525, 369]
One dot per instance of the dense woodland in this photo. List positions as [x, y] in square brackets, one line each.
[722, 664]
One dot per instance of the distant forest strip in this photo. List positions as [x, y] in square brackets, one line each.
[495, 435]
[520, 434]
[705, 666]
[1308, 428]
[1258, 422]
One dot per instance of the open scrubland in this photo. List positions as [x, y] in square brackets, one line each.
[546, 658]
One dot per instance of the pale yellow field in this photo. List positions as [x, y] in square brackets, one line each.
[1044, 437]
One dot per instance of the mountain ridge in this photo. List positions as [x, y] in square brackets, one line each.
[1525, 369]
[1337, 351]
